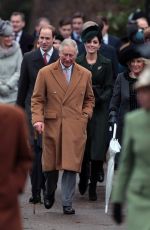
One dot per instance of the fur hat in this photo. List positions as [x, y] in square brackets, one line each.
[6, 28]
[136, 15]
[128, 52]
[144, 79]
[90, 30]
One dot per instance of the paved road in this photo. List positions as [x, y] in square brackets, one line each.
[89, 215]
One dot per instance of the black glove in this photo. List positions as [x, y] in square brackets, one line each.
[117, 213]
[112, 120]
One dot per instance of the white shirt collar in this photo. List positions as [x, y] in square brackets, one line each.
[20, 33]
[64, 67]
[49, 52]
[105, 39]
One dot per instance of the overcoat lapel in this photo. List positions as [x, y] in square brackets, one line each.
[38, 59]
[59, 76]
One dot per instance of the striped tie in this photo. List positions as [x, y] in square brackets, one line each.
[45, 58]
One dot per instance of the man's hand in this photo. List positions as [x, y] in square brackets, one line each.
[39, 126]
[117, 213]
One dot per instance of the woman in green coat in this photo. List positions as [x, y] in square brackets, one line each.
[97, 131]
[133, 182]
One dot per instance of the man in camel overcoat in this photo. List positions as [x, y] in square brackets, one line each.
[62, 103]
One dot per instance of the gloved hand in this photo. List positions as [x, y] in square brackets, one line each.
[117, 213]
[112, 120]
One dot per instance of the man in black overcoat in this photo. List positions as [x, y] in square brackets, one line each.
[32, 62]
[25, 40]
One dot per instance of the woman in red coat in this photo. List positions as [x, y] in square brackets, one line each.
[15, 161]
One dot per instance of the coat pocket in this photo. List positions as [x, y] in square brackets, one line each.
[50, 115]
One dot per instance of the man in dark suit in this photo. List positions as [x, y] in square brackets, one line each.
[109, 39]
[32, 62]
[24, 39]
[110, 53]
[77, 24]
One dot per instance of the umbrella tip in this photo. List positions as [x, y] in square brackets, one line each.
[106, 209]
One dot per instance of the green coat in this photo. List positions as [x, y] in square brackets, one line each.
[133, 179]
[102, 88]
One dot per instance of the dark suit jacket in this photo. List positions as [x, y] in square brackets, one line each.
[110, 53]
[31, 64]
[26, 42]
[80, 45]
[114, 41]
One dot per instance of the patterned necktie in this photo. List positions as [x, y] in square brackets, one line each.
[66, 73]
[15, 36]
[45, 58]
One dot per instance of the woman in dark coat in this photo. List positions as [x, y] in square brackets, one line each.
[124, 95]
[96, 145]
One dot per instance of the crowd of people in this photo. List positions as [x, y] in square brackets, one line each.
[74, 82]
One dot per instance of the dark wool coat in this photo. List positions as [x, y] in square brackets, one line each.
[61, 107]
[102, 87]
[15, 161]
[31, 64]
[120, 101]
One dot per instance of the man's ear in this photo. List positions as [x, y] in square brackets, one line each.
[23, 24]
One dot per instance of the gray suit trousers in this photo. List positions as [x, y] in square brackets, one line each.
[68, 185]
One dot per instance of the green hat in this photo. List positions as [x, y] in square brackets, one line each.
[90, 30]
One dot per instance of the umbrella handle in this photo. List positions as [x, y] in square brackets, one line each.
[114, 131]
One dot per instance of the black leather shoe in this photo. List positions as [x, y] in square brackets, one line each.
[92, 192]
[68, 210]
[101, 176]
[48, 203]
[35, 200]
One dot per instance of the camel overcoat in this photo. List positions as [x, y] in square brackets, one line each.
[15, 161]
[63, 108]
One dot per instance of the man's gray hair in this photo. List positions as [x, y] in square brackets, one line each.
[68, 42]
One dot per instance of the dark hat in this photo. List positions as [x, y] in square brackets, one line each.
[137, 14]
[6, 28]
[59, 37]
[144, 50]
[128, 52]
[90, 30]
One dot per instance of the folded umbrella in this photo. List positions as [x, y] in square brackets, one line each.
[114, 147]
